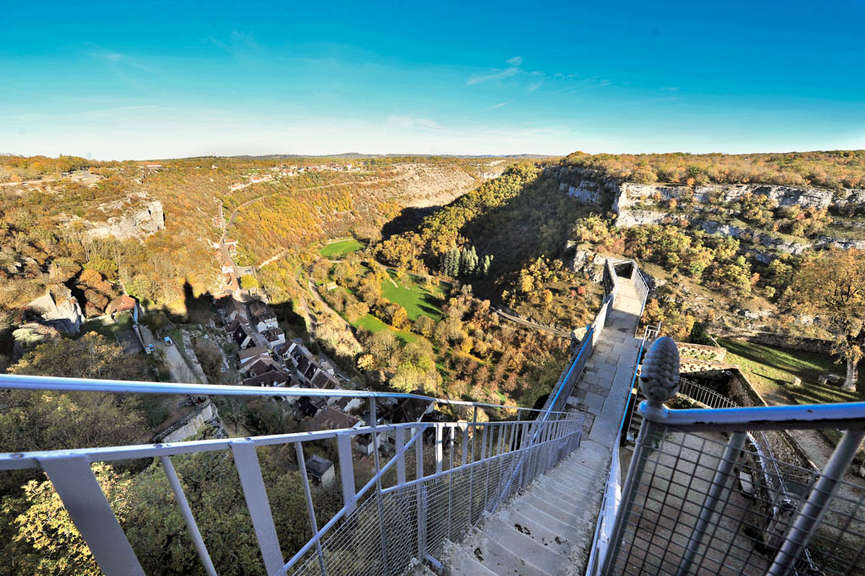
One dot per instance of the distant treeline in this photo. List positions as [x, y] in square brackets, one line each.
[832, 169]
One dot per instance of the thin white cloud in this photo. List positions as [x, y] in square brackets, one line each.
[412, 122]
[497, 75]
[499, 105]
[119, 60]
[515, 61]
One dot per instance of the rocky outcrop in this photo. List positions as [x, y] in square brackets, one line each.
[762, 239]
[28, 336]
[587, 186]
[138, 223]
[776, 243]
[640, 217]
[587, 192]
[631, 193]
[630, 196]
[97, 292]
[588, 263]
[58, 308]
[420, 185]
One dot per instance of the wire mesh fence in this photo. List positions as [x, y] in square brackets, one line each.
[408, 521]
[702, 505]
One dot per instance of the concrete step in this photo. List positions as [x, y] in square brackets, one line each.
[459, 562]
[560, 492]
[420, 570]
[514, 559]
[524, 545]
[551, 507]
[540, 516]
[571, 500]
[541, 532]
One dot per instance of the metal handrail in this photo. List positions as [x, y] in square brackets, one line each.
[660, 382]
[799, 417]
[612, 488]
[63, 384]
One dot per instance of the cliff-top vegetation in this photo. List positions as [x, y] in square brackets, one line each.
[831, 169]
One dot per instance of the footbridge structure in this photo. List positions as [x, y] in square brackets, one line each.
[702, 487]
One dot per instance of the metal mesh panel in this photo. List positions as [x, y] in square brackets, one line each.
[746, 524]
[449, 504]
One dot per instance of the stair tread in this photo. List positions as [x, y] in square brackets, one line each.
[500, 559]
[541, 532]
[460, 563]
[537, 515]
[512, 539]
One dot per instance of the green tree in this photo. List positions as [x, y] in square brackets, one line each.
[52, 420]
[486, 265]
[468, 262]
[53, 544]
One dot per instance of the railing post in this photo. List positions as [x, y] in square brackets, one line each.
[186, 511]
[420, 500]
[379, 506]
[453, 432]
[484, 442]
[439, 448]
[246, 463]
[659, 380]
[472, 467]
[523, 446]
[313, 524]
[75, 483]
[346, 472]
[399, 441]
[721, 478]
[812, 512]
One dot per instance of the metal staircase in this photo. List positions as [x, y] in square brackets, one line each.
[513, 491]
[546, 530]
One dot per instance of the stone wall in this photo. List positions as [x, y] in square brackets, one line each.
[702, 352]
[205, 415]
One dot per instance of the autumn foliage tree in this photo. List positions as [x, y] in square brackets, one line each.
[831, 286]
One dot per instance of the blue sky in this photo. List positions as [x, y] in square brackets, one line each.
[148, 80]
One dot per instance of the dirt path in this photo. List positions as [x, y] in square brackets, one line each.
[530, 324]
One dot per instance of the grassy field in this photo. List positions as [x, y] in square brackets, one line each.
[771, 371]
[108, 329]
[417, 300]
[339, 248]
[373, 324]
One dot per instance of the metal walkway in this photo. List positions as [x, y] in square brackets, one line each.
[548, 528]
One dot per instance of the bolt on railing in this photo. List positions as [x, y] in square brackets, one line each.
[688, 505]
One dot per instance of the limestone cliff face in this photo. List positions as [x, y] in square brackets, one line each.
[138, 223]
[586, 186]
[58, 308]
[630, 194]
[636, 205]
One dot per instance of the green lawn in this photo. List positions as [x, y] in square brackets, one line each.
[108, 329]
[373, 324]
[339, 248]
[771, 370]
[411, 295]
